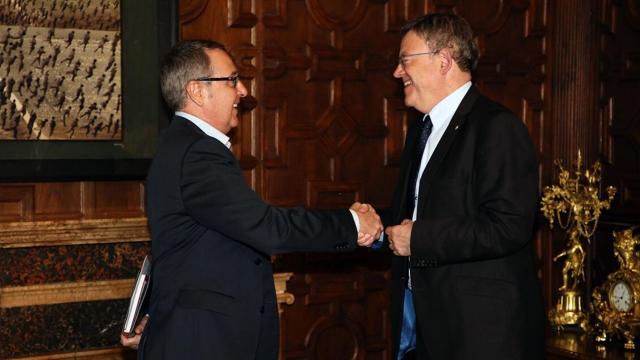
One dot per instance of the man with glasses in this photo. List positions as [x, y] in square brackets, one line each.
[212, 292]
[464, 283]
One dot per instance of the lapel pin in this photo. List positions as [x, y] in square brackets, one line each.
[456, 128]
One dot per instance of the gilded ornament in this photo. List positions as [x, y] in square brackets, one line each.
[616, 303]
[576, 206]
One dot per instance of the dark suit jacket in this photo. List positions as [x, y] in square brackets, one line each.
[476, 293]
[213, 295]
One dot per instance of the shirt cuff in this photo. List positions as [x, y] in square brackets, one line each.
[355, 220]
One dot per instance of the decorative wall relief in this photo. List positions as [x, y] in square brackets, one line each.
[79, 87]
[60, 72]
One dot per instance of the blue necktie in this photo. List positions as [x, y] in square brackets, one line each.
[408, 331]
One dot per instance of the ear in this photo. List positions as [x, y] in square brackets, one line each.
[195, 92]
[446, 61]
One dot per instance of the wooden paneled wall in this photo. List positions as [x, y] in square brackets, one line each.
[324, 126]
[68, 253]
[617, 115]
[616, 123]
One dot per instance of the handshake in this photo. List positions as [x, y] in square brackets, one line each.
[370, 224]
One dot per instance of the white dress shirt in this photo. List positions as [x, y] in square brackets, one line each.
[441, 116]
[206, 128]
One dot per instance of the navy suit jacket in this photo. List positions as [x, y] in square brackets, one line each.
[473, 273]
[212, 291]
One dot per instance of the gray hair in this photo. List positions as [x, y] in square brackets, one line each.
[186, 61]
[442, 30]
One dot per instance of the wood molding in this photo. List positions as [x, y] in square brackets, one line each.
[574, 81]
[72, 232]
[280, 280]
[191, 9]
[102, 354]
[60, 293]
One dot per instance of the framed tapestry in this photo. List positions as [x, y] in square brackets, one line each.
[79, 87]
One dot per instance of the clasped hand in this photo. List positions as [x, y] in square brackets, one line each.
[400, 237]
[370, 224]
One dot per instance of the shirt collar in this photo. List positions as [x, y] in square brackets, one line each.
[444, 110]
[206, 128]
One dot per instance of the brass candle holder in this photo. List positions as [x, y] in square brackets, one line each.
[575, 203]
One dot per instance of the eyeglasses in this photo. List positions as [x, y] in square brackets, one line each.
[402, 59]
[233, 79]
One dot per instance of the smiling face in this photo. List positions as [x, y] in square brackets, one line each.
[421, 75]
[221, 98]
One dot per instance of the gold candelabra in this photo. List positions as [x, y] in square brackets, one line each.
[575, 203]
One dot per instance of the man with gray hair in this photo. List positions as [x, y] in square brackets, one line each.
[464, 282]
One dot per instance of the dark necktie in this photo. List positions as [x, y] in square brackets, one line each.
[425, 127]
[408, 330]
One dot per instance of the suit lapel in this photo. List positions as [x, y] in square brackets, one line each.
[455, 125]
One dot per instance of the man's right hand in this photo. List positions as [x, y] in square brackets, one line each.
[370, 224]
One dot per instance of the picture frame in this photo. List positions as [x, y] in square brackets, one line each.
[149, 29]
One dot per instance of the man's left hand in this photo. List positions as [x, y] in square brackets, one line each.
[400, 237]
[134, 341]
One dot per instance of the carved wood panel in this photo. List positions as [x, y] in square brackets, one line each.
[16, 202]
[337, 317]
[323, 67]
[71, 200]
[619, 110]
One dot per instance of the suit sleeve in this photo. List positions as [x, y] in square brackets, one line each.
[215, 193]
[503, 196]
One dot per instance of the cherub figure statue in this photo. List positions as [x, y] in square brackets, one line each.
[624, 248]
[573, 269]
